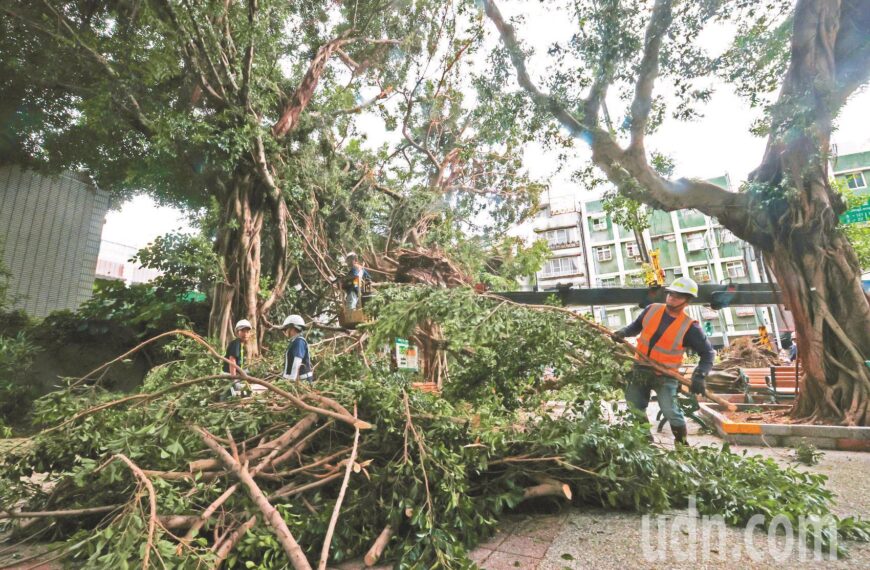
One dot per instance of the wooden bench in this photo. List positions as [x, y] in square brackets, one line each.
[757, 382]
[784, 381]
[430, 387]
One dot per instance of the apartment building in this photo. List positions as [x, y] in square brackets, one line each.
[590, 250]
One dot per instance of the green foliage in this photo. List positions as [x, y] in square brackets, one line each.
[143, 307]
[16, 356]
[807, 453]
[188, 263]
[501, 264]
[857, 234]
[859, 237]
[434, 465]
[626, 212]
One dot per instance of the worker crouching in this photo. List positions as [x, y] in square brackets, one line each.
[297, 360]
[665, 332]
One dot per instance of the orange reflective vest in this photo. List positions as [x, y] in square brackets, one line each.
[669, 350]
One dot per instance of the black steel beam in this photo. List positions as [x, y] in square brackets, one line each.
[717, 296]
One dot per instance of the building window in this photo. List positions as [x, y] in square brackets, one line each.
[735, 269]
[855, 180]
[561, 266]
[599, 224]
[560, 237]
[701, 274]
[709, 314]
[634, 279]
[695, 242]
[607, 282]
[632, 249]
[603, 253]
[725, 236]
[613, 320]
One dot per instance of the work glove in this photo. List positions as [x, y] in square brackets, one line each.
[619, 335]
[698, 384]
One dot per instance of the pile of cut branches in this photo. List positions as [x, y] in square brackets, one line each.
[360, 464]
[744, 352]
[421, 266]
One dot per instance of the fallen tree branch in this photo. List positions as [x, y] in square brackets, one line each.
[377, 549]
[547, 487]
[324, 552]
[59, 514]
[635, 353]
[226, 546]
[269, 448]
[270, 514]
[290, 490]
[152, 499]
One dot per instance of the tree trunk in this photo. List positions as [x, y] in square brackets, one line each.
[818, 273]
[238, 245]
[813, 262]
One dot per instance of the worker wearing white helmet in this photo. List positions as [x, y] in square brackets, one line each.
[297, 360]
[665, 332]
[236, 354]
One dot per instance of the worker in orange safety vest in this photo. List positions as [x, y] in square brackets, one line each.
[665, 332]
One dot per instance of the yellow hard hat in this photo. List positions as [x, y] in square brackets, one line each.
[685, 286]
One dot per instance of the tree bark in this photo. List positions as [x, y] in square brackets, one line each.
[238, 245]
[814, 264]
[790, 211]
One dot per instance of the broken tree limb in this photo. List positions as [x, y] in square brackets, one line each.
[635, 353]
[295, 400]
[268, 448]
[547, 487]
[152, 499]
[206, 514]
[58, 514]
[270, 514]
[297, 447]
[290, 490]
[324, 552]
[171, 522]
[377, 549]
[226, 546]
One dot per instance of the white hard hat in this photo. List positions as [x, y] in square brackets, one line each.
[351, 255]
[685, 286]
[243, 324]
[295, 321]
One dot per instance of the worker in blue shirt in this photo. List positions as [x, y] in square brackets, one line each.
[355, 282]
[297, 361]
[665, 333]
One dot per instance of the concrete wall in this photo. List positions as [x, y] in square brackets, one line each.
[50, 228]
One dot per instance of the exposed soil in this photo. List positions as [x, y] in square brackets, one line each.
[760, 416]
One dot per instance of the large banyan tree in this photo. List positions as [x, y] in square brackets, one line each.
[817, 54]
[249, 112]
[226, 107]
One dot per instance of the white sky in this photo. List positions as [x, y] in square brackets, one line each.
[716, 144]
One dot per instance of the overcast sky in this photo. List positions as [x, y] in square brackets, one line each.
[716, 144]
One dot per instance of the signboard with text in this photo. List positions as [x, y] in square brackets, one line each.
[406, 355]
[858, 215]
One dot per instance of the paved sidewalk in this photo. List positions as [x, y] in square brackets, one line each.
[595, 538]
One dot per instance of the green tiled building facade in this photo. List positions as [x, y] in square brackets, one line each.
[603, 254]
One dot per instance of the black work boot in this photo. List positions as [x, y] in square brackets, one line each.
[680, 433]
